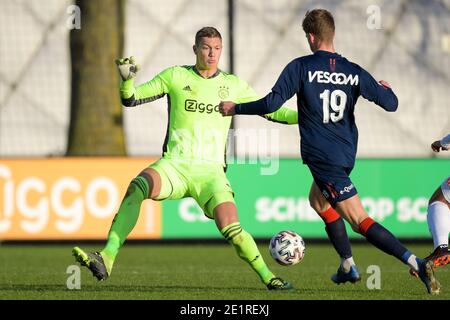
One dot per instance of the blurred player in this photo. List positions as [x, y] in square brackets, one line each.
[193, 161]
[439, 214]
[327, 87]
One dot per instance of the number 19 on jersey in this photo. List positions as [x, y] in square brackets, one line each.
[337, 101]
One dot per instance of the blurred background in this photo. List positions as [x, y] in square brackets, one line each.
[411, 50]
[59, 98]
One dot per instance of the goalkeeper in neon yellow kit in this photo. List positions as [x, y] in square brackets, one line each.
[193, 160]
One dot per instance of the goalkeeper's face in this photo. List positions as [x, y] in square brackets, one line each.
[208, 53]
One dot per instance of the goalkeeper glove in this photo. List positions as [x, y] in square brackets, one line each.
[127, 68]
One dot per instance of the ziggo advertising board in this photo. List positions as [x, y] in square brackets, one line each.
[77, 198]
[69, 198]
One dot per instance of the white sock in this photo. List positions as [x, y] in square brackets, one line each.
[346, 264]
[439, 222]
[412, 262]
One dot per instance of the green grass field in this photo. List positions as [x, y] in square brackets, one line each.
[173, 272]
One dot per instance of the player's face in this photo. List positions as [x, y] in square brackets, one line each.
[208, 53]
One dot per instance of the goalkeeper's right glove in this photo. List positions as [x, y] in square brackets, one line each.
[127, 68]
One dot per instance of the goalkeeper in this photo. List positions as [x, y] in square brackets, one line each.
[193, 160]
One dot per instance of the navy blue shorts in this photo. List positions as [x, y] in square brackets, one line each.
[333, 181]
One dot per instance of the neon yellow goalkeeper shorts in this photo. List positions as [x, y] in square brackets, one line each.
[206, 183]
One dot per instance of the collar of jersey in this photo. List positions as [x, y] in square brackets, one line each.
[326, 53]
[213, 76]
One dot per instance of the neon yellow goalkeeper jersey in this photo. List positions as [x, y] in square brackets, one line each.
[196, 130]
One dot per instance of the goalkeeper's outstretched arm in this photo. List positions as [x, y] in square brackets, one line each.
[283, 115]
[152, 90]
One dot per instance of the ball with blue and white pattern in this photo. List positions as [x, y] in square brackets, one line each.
[287, 248]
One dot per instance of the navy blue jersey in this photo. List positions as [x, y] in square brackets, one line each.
[327, 86]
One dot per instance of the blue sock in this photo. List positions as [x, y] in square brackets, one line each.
[381, 238]
[411, 260]
[338, 236]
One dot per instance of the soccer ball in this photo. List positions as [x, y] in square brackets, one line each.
[287, 248]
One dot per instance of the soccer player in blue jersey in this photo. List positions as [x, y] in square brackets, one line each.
[327, 87]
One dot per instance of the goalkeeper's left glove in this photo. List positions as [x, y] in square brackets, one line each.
[127, 68]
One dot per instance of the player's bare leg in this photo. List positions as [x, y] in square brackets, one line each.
[351, 209]
[226, 218]
[439, 224]
[335, 228]
[438, 218]
[146, 185]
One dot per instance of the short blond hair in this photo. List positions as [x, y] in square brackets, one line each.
[208, 32]
[320, 23]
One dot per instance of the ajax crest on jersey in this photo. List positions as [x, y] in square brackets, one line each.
[223, 92]
[287, 248]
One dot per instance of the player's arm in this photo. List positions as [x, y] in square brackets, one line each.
[282, 115]
[443, 144]
[152, 90]
[378, 92]
[286, 86]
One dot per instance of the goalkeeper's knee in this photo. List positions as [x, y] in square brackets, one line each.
[138, 190]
